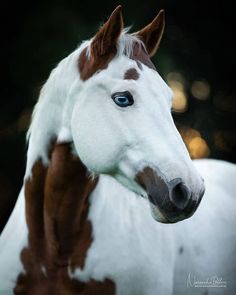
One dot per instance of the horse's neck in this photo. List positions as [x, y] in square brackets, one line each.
[66, 227]
[12, 240]
[125, 236]
[56, 208]
[54, 203]
[52, 113]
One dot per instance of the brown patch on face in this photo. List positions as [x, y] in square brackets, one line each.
[60, 234]
[154, 184]
[103, 46]
[140, 55]
[131, 74]
[88, 68]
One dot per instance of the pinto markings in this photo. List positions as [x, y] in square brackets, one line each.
[131, 74]
[57, 205]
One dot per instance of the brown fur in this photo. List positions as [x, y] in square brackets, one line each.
[87, 68]
[151, 35]
[103, 46]
[57, 196]
[131, 74]
[57, 204]
[141, 56]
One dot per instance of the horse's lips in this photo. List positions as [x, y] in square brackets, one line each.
[157, 214]
[158, 191]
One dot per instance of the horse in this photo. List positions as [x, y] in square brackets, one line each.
[109, 186]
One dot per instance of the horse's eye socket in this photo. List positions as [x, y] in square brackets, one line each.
[123, 99]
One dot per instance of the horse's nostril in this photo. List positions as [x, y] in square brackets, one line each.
[179, 193]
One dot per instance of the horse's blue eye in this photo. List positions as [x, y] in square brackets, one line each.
[123, 99]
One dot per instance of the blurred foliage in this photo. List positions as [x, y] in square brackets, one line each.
[198, 44]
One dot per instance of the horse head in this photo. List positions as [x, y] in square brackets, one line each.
[121, 121]
[117, 113]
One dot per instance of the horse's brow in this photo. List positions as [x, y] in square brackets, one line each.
[131, 74]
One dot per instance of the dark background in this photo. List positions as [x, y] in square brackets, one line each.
[198, 45]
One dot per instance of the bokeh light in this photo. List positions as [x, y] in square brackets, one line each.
[198, 148]
[200, 89]
[177, 83]
[194, 142]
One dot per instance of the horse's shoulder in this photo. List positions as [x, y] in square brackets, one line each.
[201, 238]
[214, 165]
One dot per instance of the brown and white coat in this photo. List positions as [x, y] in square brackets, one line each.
[80, 225]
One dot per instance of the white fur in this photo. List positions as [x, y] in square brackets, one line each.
[209, 237]
[129, 247]
[12, 240]
[142, 256]
[109, 139]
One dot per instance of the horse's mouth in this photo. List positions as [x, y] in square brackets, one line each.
[162, 216]
[171, 201]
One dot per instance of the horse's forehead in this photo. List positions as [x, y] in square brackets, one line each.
[88, 67]
[131, 74]
[140, 55]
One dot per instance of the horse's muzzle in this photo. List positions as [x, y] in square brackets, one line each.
[170, 201]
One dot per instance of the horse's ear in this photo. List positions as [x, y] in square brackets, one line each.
[106, 39]
[151, 34]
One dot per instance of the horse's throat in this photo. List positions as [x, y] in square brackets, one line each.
[57, 205]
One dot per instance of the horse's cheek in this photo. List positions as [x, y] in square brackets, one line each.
[92, 142]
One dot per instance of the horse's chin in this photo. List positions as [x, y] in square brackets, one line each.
[160, 217]
[157, 214]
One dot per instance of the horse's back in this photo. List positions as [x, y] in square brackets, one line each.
[206, 242]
